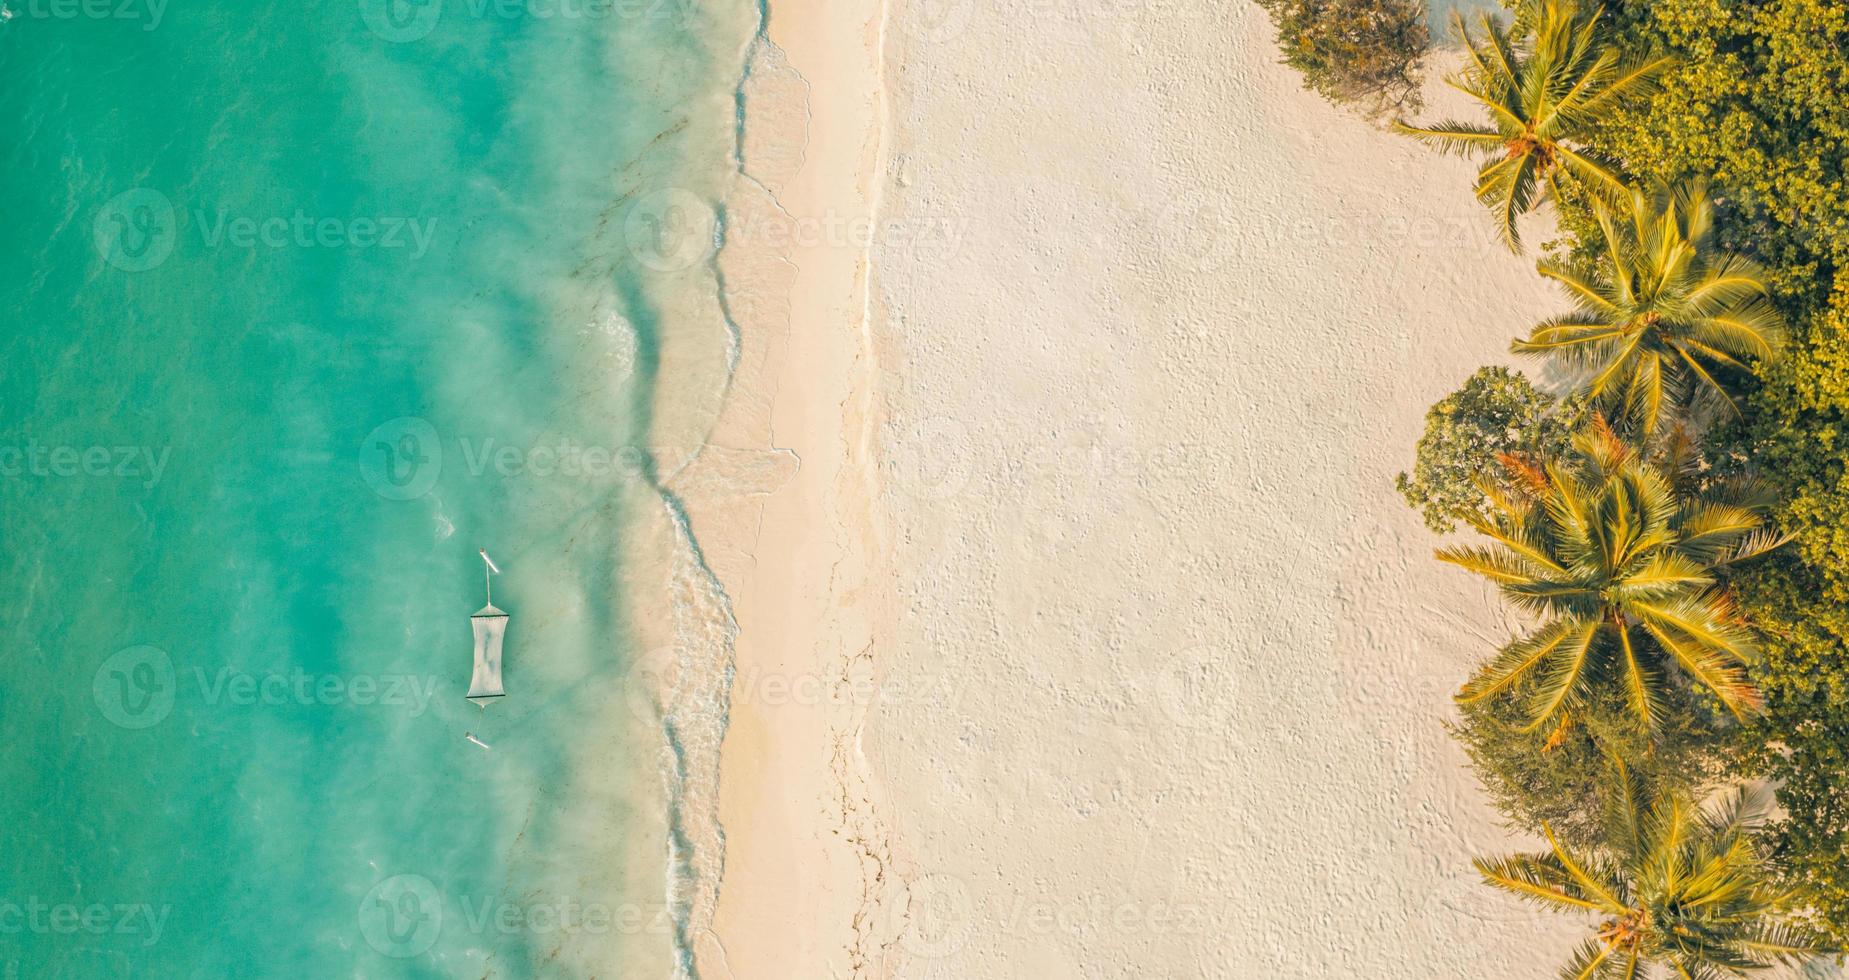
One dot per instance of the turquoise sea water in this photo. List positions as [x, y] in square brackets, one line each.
[304, 303]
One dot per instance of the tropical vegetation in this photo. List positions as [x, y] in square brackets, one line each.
[1622, 570]
[1755, 103]
[1366, 53]
[1497, 413]
[1557, 778]
[1696, 154]
[1660, 315]
[1546, 83]
[1675, 886]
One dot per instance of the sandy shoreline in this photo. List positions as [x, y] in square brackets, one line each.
[1090, 638]
[798, 561]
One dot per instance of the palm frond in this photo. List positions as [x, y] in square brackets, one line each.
[1602, 177]
[1634, 80]
[1603, 892]
[1753, 328]
[1589, 962]
[1452, 136]
[1785, 943]
[1519, 659]
[1710, 664]
[1539, 878]
[1561, 677]
[1755, 545]
[1640, 683]
[1712, 528]
[1583, 286]
[1496, 565]
[1509, 188]
[1661, 575]
[1718, 389]
[1627, 803]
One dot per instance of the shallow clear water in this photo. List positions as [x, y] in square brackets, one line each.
[306, 303]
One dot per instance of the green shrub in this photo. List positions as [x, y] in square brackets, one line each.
[1757, 105]
[1362, 52]
[1803, 744]
[1560, 777]
[1496, 412]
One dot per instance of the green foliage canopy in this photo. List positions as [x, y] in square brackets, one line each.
[1496, 413]
[1557, 779]
[1675, 886]
[1660, 316]
[1365, 52]
[1756, 102]
[1619, 563]
[1545, 84]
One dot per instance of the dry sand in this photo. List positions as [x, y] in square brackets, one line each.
[1089, 638]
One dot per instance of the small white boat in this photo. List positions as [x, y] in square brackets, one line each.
[490, 627]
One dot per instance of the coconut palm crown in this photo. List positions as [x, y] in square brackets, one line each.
[1546, 82]
[1619, 564]
[1661, 316]
[1679, 890]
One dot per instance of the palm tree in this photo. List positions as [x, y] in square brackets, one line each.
[1546, 83]
[1620, 566]
[1660, 310]
[1676, 887]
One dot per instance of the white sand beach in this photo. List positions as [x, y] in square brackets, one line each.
[1090, 637]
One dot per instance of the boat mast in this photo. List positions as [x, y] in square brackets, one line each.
[488, 572]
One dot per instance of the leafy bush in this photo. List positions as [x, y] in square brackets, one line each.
[1757, 106]
[1364, 52]
[1559, 777]
[1754, 104]
[1682, 889]
[1803, 743]
[1496, 412]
